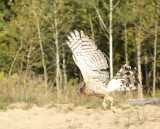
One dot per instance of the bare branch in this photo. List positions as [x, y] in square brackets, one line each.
[116, 4]
[105, 5]
[101, 20]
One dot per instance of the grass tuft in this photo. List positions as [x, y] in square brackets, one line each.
[3, 106]
[30, 99]
[94, 104]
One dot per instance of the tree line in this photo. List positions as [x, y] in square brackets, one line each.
[33, 34]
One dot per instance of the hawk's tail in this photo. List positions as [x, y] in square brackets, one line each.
[126, 79]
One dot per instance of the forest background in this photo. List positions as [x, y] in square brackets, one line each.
[36, 65]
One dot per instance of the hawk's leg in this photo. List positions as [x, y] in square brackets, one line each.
[104, 103]
[108, 98]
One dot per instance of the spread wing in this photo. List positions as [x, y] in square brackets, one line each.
[90, 60]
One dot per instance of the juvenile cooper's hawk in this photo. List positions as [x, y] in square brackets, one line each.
[94, 68]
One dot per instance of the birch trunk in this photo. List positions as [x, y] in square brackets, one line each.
[138, 45]
[42, 51]
[64, 69]
[92, 30]
[126, 43]
[28, 58]
[57, 55]
[155, 54]
[15, 58]
[110, 40]
[57, 65]
[43, 58]
[146, 71]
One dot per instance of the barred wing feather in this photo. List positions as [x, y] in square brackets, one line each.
[89, 59]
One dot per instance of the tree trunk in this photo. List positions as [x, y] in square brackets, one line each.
[15, 58]
[155, 53]
[142, 102]
[28, 58]
[57, 55]
[43, 58]
[57, 67]
[126, 43]
[64, 69]
[138, 45]
[110, 40]
[42, 51]
[92, 30]
[146, 71]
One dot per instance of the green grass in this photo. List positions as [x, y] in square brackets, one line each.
[3, 106]
[30, 99]
[18, 88]
[31, 90]
[158, 93]
[94, 104]
[5, 101]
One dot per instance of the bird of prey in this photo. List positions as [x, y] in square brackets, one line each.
[95, 70]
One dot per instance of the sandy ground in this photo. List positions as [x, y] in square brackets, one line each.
[66, 116]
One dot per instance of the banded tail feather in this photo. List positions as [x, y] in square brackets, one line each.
[127, 78]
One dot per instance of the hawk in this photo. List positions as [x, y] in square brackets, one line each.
[95, 70]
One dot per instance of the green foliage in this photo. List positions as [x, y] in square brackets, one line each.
[94, 104]
[19, 41]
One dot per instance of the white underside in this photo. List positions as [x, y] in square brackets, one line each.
[114, 84]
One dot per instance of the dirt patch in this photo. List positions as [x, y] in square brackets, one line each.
[67, 116]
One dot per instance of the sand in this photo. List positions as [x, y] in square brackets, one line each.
[67, 116]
